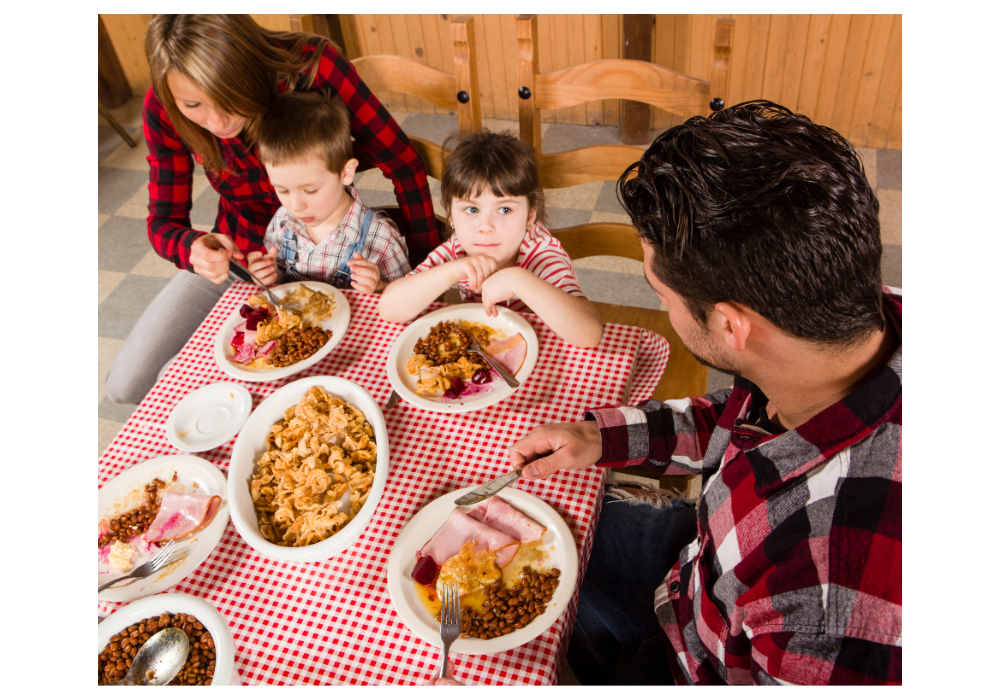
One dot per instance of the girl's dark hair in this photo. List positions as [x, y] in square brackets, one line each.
[498, 160]
[760, 206]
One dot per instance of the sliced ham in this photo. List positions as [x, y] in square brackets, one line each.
[502, 516]
[181, 515]
[460, 529]
[509, 352]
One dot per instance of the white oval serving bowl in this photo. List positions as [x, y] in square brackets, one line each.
[249, 447]
[174, 603]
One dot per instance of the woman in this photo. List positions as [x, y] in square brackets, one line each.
[214, 76]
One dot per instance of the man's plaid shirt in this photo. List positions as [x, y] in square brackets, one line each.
[248, 201]
[300, 258]
[796, 572]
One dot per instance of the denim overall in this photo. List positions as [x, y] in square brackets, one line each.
[342, 275]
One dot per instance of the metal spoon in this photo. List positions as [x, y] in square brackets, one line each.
[159, 659]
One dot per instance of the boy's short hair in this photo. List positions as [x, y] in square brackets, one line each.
[300, 125]
[499, 160]
[762, 207]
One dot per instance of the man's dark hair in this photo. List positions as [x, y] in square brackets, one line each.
[760, 206]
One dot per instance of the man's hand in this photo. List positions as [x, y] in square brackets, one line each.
[365, 275]
[500, 288]
[446, 681]
[475, 270]
[210, 255]
[551, 448]
[265, 267]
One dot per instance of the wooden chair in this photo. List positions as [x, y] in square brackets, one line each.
[458, 91]
[642, 82]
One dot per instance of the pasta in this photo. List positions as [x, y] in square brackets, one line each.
[322, 451]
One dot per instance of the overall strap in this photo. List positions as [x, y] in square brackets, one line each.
[343, 271]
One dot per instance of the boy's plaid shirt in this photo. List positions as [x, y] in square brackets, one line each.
[382, 245]
[248, 201]
[796, 573]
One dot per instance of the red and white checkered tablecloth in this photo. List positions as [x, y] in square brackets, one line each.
[333, 622]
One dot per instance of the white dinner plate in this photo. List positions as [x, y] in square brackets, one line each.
[405, 383]
[337, 324]
[208, 417]
[176, 603]
[558, 543]
[123, 493]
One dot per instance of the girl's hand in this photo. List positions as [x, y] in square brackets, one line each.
[210, 255]
[499, 288]
[475, 270]
[265, 267]
[446, 681]
[365, 276]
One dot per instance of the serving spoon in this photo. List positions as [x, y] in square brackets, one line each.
[158, 660]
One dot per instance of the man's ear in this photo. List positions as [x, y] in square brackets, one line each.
[736, 324]
[347, 174]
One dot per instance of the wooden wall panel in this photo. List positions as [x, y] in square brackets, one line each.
[844, 71]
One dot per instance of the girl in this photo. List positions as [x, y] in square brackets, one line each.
[499, 251]
[214, 76]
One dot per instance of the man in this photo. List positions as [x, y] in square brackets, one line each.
[761, 236]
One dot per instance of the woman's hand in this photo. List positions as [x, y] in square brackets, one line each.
[365, 275]
[474, 269]
[264, 267]
[551, 448]
[210, 255]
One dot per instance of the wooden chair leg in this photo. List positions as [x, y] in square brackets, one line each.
[114, 122]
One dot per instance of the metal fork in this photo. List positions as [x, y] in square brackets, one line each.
[165, 556]
[507, 377]
[451, 623]
[289, 306]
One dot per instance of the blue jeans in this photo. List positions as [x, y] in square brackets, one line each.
[617, 638]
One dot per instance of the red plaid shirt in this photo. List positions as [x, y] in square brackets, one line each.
[248, 201]
[796, 573]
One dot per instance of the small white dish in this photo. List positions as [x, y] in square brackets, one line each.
[337, 324]
[124, 493]
[558, 542]
[249, 448]
[208, 417]
[176, 603]
[405, 383]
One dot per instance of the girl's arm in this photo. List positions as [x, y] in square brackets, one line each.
[573, 318]
[403, 299]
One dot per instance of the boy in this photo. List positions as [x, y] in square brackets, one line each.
[322, 231]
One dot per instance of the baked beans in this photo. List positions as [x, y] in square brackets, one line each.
[137, 521]
[298, 344]
[449, 341]
[113, 663]
[509, 609]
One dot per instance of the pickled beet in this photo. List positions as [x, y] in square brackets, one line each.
[425, 571]
[253, 319]
[246, 310]
[237, 340]
[481, 377]
[457, 387]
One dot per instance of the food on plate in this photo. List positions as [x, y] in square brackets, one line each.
[269, 337]
[114, 660]
[182, 514]
[493, 553]
[442, 361]
[121, 555]
[164, 514]
[316, 472]
[135, 522]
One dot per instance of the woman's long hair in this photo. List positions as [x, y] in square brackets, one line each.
[234, 61]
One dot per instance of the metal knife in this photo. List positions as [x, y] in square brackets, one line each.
[393, 400]
[486, 490]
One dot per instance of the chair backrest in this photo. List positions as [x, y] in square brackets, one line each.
[616, 78]
[458, 91]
